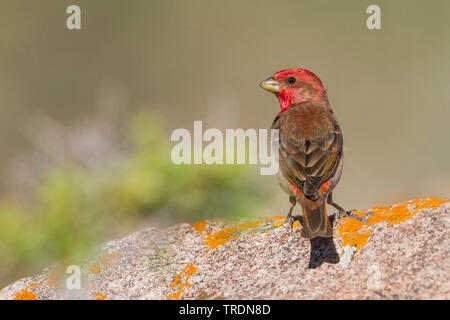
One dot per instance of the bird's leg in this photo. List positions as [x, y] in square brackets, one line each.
[342, 211]
[289, 218]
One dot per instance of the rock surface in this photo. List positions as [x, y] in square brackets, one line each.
[398, 252]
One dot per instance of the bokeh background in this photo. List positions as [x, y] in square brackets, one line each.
[86, 116]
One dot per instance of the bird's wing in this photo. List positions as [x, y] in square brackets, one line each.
[310, 146]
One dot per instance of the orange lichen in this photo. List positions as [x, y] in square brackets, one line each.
[355, 233]
[178, 281]
[99, 296]
[404, 211]
[110, 258]
[199, 226]
[276, 218]
[223, 236]
[25, 294]
[278, 224]
[352, 232]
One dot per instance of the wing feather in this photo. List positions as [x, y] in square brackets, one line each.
[310, 142]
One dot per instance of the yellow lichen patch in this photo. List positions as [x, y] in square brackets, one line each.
[223, 236]
[25, 294]
[278, 224]
[176, 295]
[355, 233]
[220, 237]
[110, 258]
[179, 283]
[359, 213]
[276, 218]
[199, 226]
[99, 296]
[403, 211]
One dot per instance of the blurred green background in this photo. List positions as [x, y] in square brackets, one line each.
[86, 115]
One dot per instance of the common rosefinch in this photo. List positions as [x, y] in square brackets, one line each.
[310, 147]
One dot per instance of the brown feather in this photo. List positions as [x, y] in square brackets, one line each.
[310, 143]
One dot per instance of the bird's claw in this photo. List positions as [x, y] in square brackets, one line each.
[290, 221]
[342, 214]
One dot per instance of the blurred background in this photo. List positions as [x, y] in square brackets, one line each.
[86, 115]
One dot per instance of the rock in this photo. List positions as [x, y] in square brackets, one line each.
[398, 252]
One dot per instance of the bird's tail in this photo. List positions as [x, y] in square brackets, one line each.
[315, 219]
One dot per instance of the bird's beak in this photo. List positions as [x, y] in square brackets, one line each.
[271, 85]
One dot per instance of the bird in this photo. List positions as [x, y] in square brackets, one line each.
[310, 148]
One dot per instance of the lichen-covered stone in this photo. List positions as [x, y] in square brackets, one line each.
[398, 252]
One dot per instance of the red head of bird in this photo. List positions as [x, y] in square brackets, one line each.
[295, 86]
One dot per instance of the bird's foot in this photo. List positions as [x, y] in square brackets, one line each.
[342, 214]
[290, 221]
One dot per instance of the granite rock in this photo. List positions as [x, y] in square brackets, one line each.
[398, 252]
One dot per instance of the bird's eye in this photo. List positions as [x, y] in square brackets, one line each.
[291, 80]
